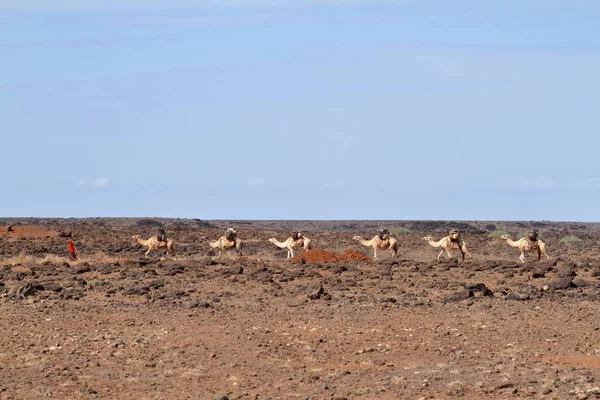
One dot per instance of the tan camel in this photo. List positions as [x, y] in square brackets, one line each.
[526, 245]
[290, 243]
[154, 244]
[377, 243]
[224, 243]
[449, 243]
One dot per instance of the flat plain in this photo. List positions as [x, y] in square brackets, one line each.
[116, 324]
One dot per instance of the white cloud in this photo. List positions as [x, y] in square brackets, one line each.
[531, 183]
[334, 184]
[100, 182]
[97, 182]
[254, 181]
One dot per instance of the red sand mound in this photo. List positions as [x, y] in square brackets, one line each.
[350, 254]
[28, 231]
[319, 255]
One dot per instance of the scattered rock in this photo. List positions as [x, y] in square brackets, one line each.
[458, 296]
[481, 288]
[27, 290]
[561, 283]
[517, 296]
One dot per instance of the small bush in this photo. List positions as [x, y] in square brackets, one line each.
[399, 231]
[497, 234]
[570, 239]
[526, 234]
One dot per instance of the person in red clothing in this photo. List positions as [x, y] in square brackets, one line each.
[72, 254]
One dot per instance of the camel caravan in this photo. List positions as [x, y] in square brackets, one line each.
[451, 244]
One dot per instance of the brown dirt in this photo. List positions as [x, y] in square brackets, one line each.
[116, 325]
[27, 231]
[320, 255]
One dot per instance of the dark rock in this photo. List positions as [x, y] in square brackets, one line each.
[315, 291]
[199, 304]
[578, 282]
[52, 286]
[107, 269]
[458, 296]
[235, 270]
[73, 294]
[174, 269]
[141, 290]
[538, 273]
[338, 269]
[517, 296]
[82, 269]
[479, 287]
[566, 273]
[156, 284]
[27, 290]
[561, 283]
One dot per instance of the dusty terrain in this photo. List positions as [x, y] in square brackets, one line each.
[117, 325]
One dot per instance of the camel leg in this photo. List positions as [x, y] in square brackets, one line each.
[239, 245]
[448, 253]
[375, 253]
[290, 252]
[462, 252]
[542, 249]
[395, 251]
[464, 248]
[522, 257]
[439, 255]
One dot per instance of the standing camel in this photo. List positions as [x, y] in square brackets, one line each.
[227, 242]
[526, 245]
[450, 243]
[383, 241]
[154, 244]
[299, 241]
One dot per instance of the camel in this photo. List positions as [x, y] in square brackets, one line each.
[449, 243]
[154, 244]
[290, 243]
[223, 243]
[526, 245]
[377, 243]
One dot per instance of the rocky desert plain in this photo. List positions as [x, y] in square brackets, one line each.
[332, 323]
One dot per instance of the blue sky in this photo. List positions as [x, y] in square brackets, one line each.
[301, 109]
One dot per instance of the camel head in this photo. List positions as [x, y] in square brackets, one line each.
[357, 238]
[384, 233]
[505, 237]
[230, 234]
[135, 237]
[454, 234]
[272, 240]
[428, 238]
[533, 234]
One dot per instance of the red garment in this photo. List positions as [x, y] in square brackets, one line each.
[71, 247]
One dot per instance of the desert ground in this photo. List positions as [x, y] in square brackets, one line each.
[332, 324]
